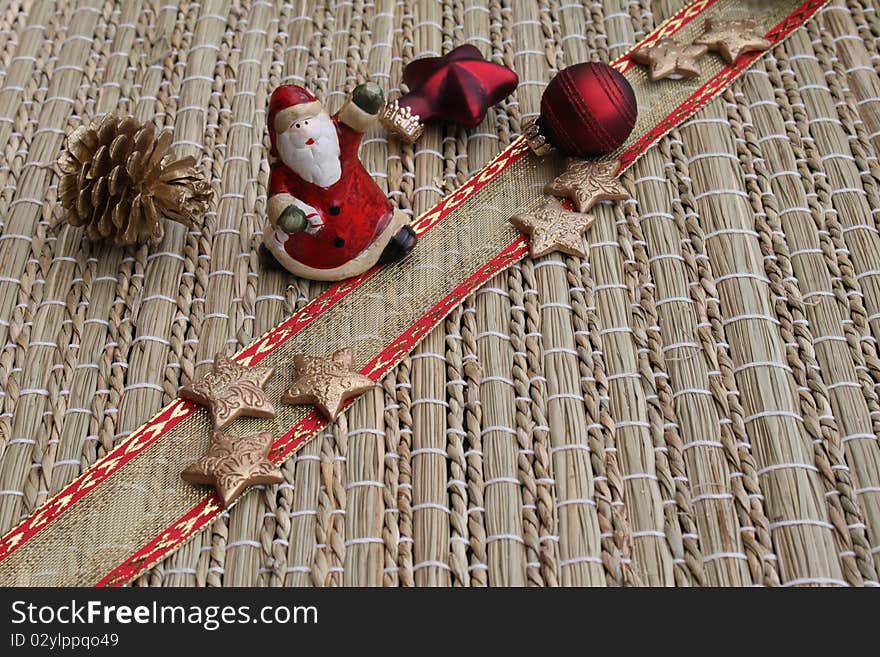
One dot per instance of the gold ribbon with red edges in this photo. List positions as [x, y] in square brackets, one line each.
[182, 529]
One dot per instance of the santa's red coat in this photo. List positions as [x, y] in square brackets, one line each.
[354, 209]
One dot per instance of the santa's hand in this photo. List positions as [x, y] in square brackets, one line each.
[368, 96]
[292, 220]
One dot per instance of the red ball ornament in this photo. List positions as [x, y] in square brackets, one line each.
[587, 110]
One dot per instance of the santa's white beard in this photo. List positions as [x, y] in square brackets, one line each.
[317, 162]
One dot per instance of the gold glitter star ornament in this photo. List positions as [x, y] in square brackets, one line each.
[327, 382]
[587, 183]
[553, 228]
[231, 390]
[667, 59]
[233, 464]
[730, 39]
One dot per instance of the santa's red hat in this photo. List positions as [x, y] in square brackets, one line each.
[288, 103]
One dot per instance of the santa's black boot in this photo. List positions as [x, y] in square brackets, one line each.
[402, 243]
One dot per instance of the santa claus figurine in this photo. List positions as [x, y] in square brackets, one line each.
[328, 219]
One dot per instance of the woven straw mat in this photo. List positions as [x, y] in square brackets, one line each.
[719, 343]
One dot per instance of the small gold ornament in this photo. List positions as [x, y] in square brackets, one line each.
[587, 182]
[536, 140]
[730, 39]
[553, 228]
[233, 464]
[231, 390]
[118, 179]
[665, 58]
[326, 381]
[401, 122]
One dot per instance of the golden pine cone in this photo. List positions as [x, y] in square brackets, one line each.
[118, 179]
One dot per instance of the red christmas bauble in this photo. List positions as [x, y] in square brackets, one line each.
[588, 110]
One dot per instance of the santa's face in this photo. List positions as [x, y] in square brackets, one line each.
[310, 146]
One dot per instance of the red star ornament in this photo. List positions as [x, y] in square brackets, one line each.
[459, 87]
